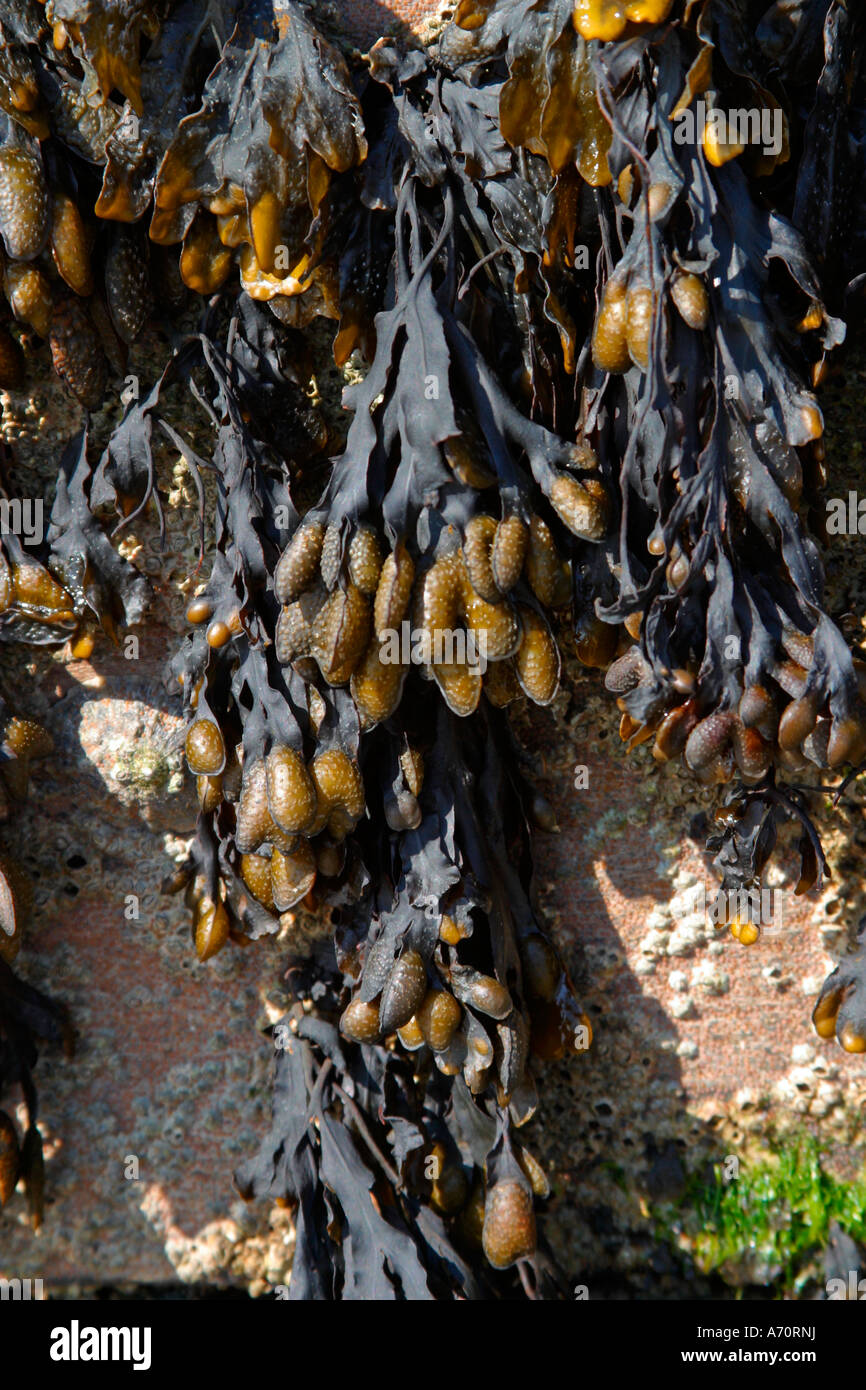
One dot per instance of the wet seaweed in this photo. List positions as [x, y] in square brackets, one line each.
[594, 322]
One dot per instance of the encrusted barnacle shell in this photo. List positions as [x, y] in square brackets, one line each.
[477, 546]
[609, 335]
[360, 1022]
[438, 1018]
[537, 661]
[509, 1223]
[25, 203]
[299, 562]
[211, 928]
[292, 875]
[340, 633]
[583, 507]
[205, 749]
[365, 559]
[291, 794]
[376, 685]
[404, 991]
[29, 296]
[509, 552]
[393, 590]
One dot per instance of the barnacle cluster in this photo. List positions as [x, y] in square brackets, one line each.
[594, 317]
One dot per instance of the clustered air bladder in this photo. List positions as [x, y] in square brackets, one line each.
[593, 319]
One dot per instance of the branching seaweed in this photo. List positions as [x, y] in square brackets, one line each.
[594, 317]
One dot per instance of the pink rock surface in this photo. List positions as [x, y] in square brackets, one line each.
[170, 1069]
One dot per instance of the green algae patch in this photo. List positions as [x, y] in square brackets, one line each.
[768, 1221]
